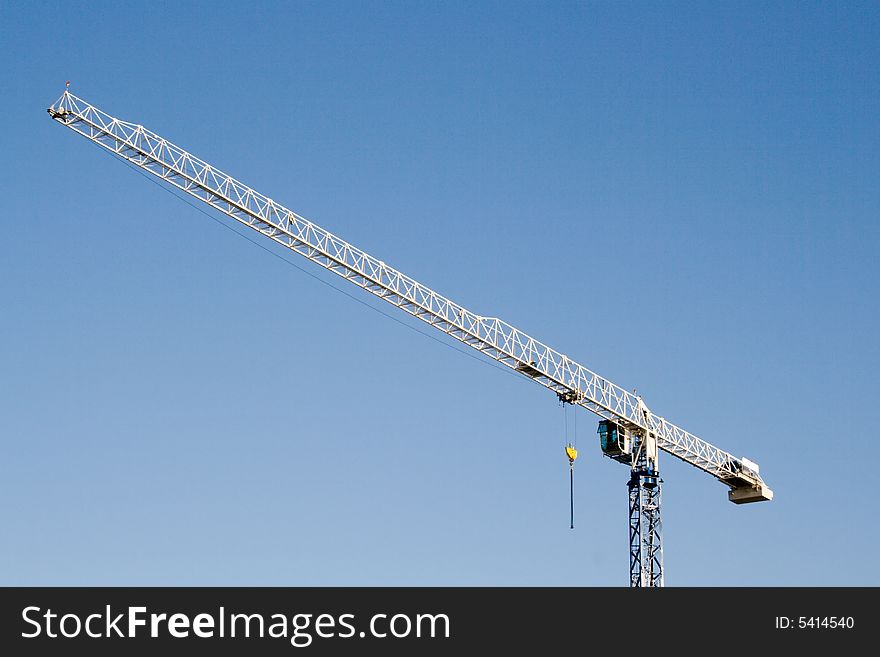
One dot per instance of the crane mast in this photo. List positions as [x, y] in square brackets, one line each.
[629, 432]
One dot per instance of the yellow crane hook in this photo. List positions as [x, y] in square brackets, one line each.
[572, 454]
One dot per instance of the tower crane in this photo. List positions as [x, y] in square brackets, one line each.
[629, 432]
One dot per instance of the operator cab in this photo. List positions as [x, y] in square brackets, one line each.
[613, 440]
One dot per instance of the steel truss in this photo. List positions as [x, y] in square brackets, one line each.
[645, 527]
[491, 336]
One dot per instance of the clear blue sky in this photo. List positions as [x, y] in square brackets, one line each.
[683, 197]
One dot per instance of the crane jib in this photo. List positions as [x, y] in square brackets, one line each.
[489, 335]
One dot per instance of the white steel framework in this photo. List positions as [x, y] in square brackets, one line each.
[493, 337]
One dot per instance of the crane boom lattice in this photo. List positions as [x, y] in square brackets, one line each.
[491, 336]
